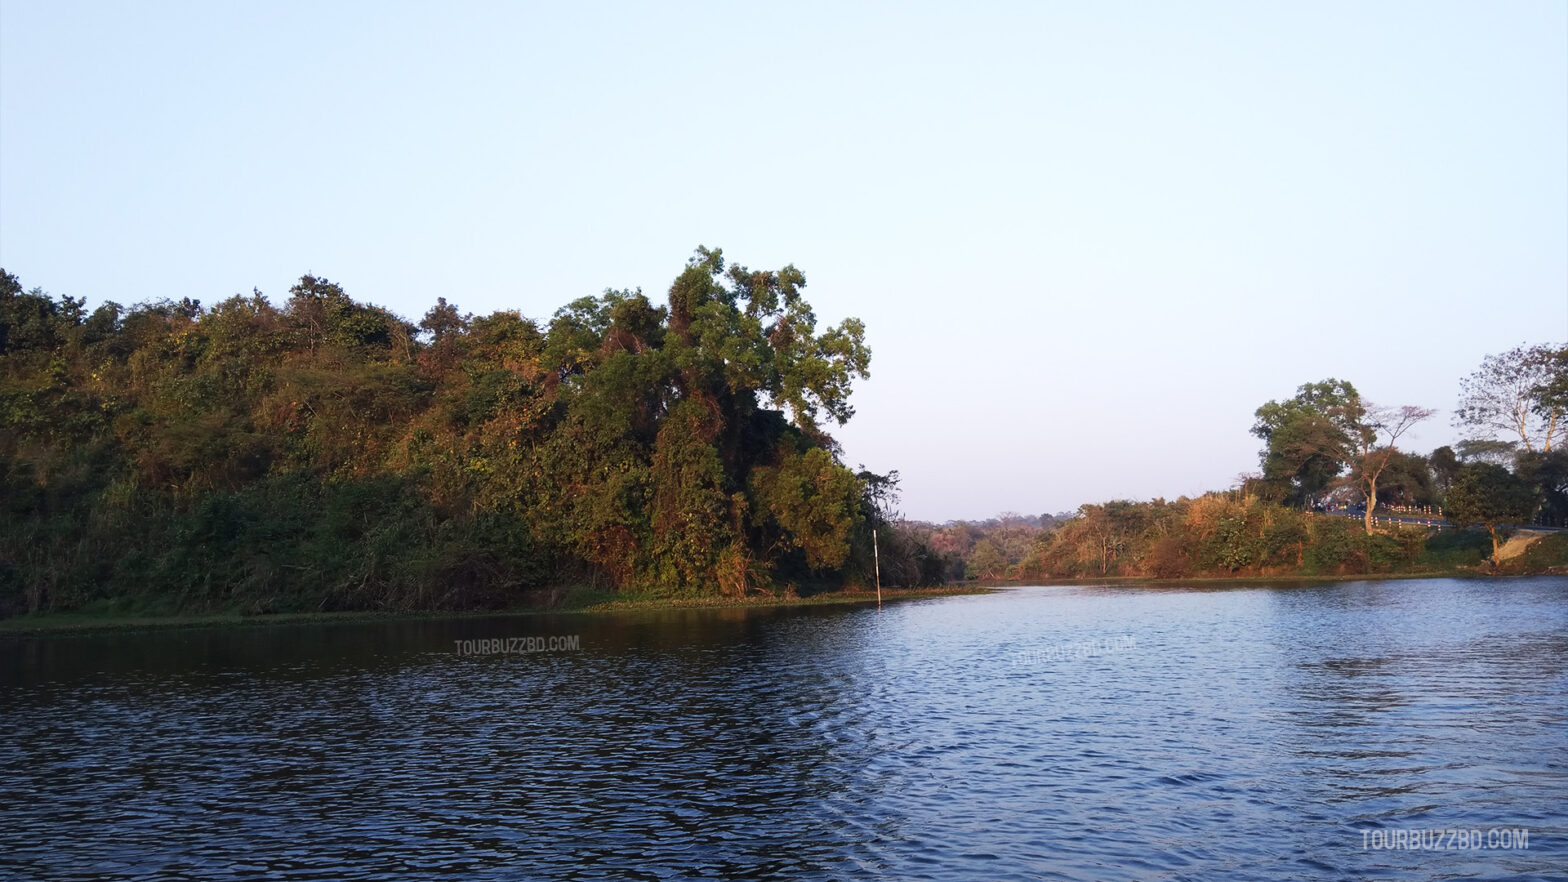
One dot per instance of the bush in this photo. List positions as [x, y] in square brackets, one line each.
[1334, 546]
[1452, 549]
[1383, 551]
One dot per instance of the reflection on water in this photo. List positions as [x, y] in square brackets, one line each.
[1249, 733]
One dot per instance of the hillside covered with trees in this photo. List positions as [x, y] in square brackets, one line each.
[325, 453]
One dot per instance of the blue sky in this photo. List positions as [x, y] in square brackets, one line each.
[1088, 240]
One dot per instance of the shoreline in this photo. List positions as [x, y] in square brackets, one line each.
[77, 623]
[1163, 582]
[1464, 572]
[97, 621]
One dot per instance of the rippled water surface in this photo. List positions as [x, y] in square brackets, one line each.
[1035, 733]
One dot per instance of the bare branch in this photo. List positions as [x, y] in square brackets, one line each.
[1390, 422]
[1509, 394]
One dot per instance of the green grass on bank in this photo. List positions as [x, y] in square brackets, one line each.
[1450, 553]
[587, 600]
[128, 615]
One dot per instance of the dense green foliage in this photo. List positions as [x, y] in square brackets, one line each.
[1219, 534]
[1489, 495]
[326, 453]
[1308, 439]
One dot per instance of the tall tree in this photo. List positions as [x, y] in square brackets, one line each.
[1309, 438]
[1517, 393]
[1548, 472]
[1378, 424]
[1551, 395]
[986, 561]
[1445, 465]
[1407, 480]
[1490, 495]
[1490, 450]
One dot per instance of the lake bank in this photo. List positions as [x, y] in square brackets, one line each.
[110, 617]
[113, 615]
[575, 602]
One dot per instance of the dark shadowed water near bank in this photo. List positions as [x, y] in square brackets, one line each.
[1036, 733]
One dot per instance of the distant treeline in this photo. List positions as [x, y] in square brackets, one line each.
[1326, 451]
[1234, 533]
[327, 454]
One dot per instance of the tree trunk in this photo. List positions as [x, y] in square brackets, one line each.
[1371, 502]
[1492, 528]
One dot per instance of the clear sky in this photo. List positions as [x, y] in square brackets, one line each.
[1087, 239]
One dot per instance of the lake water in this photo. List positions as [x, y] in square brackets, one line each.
[1035, 733]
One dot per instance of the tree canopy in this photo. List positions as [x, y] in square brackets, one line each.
[463, 459]
[1309, 438]
[1488, 494]
[326, 453]
[1520, 395]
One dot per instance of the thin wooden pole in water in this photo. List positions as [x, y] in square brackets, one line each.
[876, 558]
